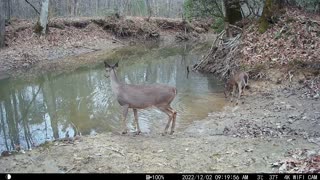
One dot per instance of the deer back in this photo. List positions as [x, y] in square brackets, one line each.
[143, 96]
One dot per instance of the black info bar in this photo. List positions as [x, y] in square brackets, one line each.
[163, 176]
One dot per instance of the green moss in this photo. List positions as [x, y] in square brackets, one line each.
[218, 25]
[37, 28]
[277, 35]
[263, 26]
[296, 63]
[46, 144]
[245, 67]
[258, 68]
[266, 14]
[290, 19]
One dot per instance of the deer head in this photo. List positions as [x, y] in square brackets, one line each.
[109, 68]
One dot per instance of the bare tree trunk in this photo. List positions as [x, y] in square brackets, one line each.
[44, 16]
[98, 4]
[269, 14]
[169, 7]
[69, 7]
[2, 24]
[232, 14]
[149, 9]
[7, 8]
[117, 8]
[233, 11]
[108, 4]
[75, 7]
[226, 21]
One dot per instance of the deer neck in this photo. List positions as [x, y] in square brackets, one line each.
[115, 84]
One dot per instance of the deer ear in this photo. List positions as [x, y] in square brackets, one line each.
[106, 64]
[116, 65]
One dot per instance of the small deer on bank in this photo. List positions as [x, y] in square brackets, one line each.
[238, 80]
[141, 97]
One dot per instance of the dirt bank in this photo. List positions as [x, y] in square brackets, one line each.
[74, 36]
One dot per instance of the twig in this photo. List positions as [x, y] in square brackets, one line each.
[94, 49]
[70, 169]
[115, 150]
[290, 75]
[79, 133]
[114, 39]
[32, 161]
[236, 27]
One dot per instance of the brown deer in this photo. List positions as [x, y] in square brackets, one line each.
[239, 80]
[141, 97]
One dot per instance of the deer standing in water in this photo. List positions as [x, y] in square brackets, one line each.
[238, 80]
[141, 97]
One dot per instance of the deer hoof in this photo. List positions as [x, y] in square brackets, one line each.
[171, 132]
[164, 133]
[124, 132]
[138, 132]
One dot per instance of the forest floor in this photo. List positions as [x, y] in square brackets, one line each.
[275, 128]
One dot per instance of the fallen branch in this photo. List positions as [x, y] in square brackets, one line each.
[115, 150]
[94, 49]
[290, 75]
[117, 40]
[70, 169]
[236, 27]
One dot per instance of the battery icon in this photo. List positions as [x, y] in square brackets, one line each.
[148, 177]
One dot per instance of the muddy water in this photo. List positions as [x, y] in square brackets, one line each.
[54, 106]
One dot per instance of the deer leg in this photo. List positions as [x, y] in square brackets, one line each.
[124, 113]
[243, 87]
[233, 92]
[168, 112]
[240, 89]
[174, 115]
[135, 112]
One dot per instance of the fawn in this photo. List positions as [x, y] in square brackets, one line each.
[239, 80]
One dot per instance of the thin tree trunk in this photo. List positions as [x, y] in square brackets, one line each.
[44, 16]
[2, 24]
[75, 7]
[169, 12]
[149, 9]
[8, 9]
